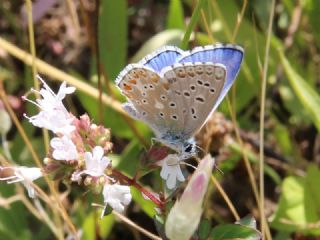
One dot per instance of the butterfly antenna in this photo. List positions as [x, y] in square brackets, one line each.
[219, 170]
[201, 149]
[189, 165]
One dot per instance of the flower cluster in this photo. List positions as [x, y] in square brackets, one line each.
[77, 152]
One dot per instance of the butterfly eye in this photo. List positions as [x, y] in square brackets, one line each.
[188, 148]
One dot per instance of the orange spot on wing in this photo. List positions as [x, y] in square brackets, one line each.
[127, 87]
[133, 81]
[155, 79]
[166, 86]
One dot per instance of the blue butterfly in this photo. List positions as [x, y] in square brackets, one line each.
[175, 91]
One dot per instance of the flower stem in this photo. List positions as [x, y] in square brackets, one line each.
[133, 182]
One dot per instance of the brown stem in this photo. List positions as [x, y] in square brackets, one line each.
[134, 183]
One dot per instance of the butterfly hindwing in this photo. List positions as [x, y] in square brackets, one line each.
[161, 58]
[195, 88]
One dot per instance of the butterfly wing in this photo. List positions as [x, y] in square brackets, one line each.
[149, 96]
[228, 55]
[176, 100]
[194, 89]
[161, 58]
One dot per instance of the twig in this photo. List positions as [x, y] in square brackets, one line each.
[193, 21]
[264, 223]
[226, 198]
[59, 75]
[134, 225]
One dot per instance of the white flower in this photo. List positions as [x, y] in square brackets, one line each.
[117, 196]
[50, 99]
[95, 162]
[64, 149]
[56, 121]
[25, 175]
[53, 115]
[171, 171]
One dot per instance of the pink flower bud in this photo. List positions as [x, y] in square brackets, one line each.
[184, 216]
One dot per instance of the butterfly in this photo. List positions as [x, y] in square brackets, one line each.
[174, 91]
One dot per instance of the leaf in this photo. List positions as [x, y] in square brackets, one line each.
[88, 227]
[248, 221]
[175, 17]
[236, 148]
[313, 8]
[234, 231]
[104, 225]
[307, 96]
[113, 120]
[159, 224]
[299, 204]
[204, 229]
[129, 159]
[167, 37]
[283, 139]
[192, 24]
[147, 205]
[112, 36]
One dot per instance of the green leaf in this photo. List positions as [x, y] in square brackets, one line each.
[92, 221]
[147, 205]
[313, 8]
[129, 159]
[167, 37]
[113, 36]
[236, 148]
[192, 24]
[283, 139]
[175, 17]
[299, 204]
[309, 98]
[113, 120]
[106, 225]
[234, 231]
[204, 229]
[248, 221]
[88, 227]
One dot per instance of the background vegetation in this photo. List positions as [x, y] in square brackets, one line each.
[77, 39]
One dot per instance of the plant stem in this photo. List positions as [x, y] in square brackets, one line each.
[193, 21]
[264, 223]
[134, 183]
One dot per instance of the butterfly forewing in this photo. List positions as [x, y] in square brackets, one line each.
[149, 94]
